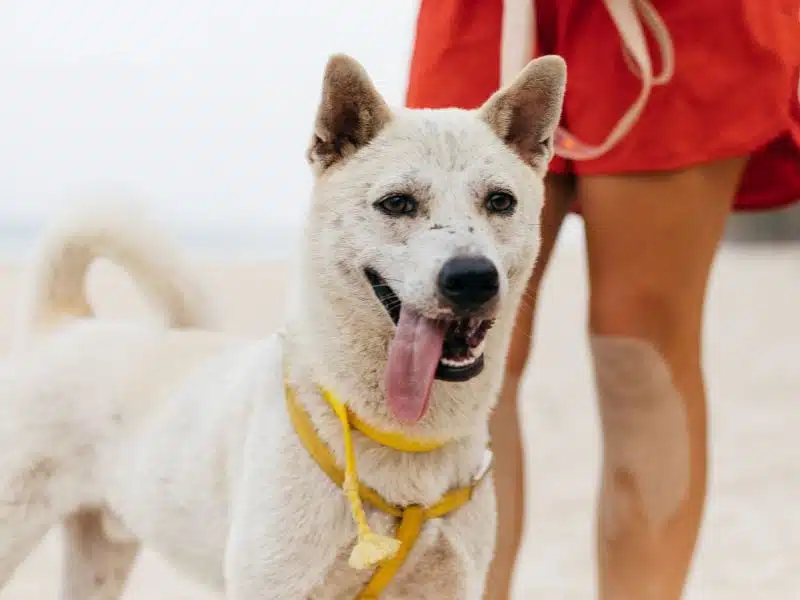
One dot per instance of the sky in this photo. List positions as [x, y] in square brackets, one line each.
[201, 109]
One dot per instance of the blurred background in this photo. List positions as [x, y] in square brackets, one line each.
[203, 110]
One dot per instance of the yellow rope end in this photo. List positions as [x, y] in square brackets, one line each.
[373, 549]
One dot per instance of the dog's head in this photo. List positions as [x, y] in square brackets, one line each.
[425, 225]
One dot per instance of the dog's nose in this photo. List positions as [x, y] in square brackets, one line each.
[468, 282]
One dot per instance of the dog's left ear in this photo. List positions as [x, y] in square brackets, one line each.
[525, 113]
[350, 114]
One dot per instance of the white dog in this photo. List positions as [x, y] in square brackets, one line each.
[240, 461]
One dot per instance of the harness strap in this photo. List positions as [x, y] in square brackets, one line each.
[408, 531]
[412, 518]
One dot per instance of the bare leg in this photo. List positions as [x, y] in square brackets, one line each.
[95, 567]
[651, 243]
[509, 472]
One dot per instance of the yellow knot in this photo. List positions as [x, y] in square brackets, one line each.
[372, 549]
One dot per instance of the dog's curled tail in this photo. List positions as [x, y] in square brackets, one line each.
[120, 232]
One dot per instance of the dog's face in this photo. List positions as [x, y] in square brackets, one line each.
[426, 222]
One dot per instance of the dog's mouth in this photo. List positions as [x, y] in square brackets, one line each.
[462, 350]
[423, 349]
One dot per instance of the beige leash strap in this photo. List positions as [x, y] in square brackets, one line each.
[519, 42]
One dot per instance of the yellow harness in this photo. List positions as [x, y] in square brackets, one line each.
[386, 554]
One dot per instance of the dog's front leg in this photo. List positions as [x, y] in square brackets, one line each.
[289, 524]
[471, 531]
[282, 548]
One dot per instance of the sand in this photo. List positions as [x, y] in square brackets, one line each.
[750, 545]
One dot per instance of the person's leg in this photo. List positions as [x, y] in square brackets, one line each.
[651, 242]
[504, 427]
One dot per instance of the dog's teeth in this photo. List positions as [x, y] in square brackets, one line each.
[460, 362]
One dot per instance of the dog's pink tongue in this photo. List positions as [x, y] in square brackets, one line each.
[413, 357]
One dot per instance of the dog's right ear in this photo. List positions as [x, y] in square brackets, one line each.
[350, 114]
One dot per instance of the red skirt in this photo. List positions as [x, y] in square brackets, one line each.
[734, 91]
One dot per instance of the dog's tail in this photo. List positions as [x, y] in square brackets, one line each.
[120, 232]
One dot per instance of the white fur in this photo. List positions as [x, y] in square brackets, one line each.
[179, 438]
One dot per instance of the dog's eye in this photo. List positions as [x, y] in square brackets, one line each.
[501, 203]
[397, 205]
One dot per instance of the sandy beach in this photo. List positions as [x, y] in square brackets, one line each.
[750, 546]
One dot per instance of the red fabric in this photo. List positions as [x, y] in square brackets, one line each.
[734, 92]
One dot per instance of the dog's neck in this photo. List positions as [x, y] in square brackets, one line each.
[395, 440]
[400, 477]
